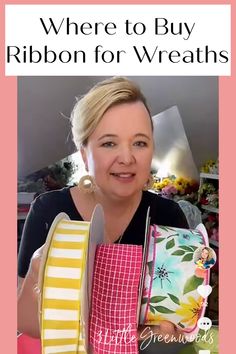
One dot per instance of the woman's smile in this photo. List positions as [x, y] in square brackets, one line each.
[124, 176]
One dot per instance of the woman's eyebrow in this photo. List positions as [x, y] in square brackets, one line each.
[142, 135]
[107, 136]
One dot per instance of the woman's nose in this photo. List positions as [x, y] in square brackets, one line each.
[125, 155]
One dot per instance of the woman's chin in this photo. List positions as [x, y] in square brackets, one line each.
[125, 193]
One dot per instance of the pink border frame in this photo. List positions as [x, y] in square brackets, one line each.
[227, 87]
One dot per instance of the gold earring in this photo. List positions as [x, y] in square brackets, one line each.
[149, 183]
[86, 184]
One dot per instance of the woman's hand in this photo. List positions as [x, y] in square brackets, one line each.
[166, 332]
[34, 266]
[28, 298]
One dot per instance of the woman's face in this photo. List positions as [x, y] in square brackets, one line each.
[119, 152]
[205, 253]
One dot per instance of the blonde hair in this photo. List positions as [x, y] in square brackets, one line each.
[198, 253]
[89, 110]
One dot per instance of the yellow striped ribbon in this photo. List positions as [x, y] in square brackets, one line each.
[62, 329]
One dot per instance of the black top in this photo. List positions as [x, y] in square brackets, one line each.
[48, 205]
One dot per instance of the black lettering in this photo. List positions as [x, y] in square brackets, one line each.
[34, 55]
[208, 52]
[64, 56]
[160, 55]
[107, 56]
[52, 26]
[10, 48]
[199, 52]
[158, 26]
[69, 24]
[145, 54]
[49, 55]
[224, 54]
[174, 54]
[188, 57]
[86, 26]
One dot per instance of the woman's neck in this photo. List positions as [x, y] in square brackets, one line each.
[118, 215]
[117, 212]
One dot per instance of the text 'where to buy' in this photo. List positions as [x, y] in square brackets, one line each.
[161, 26]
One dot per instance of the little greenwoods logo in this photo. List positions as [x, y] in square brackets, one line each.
[147, 337]
[116, 337]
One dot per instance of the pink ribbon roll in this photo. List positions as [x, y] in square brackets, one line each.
[113, 321]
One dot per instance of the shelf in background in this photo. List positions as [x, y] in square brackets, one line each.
[22, 215]
[210, 208]
[209, 175]
[214, 243]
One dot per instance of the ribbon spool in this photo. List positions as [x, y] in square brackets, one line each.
[61, 323]
[65, 281]
[171, 278]
[113, 322]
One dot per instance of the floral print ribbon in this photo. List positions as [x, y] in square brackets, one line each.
[171, 278]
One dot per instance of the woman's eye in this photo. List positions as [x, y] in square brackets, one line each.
[108, 144]
[140, 143]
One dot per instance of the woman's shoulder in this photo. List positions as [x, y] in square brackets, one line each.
[52, 202]
[49, 204]
[157, 199]
[164, 211]
[54, 197]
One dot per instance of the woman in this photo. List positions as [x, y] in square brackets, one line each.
[205, 261]
[112, 128]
